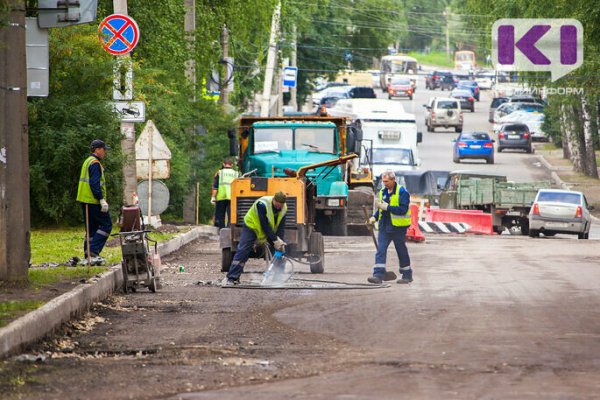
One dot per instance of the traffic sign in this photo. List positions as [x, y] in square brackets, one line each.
[119, 34]
[290, 75]
[130, 111]
[347, 56]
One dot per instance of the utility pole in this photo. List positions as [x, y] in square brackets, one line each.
[128, 132]
[15, 251]
[271, 58]
[293, 61]
[189, 26]
[225, 78]
[447, 15]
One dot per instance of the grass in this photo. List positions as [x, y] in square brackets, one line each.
[9, 309]
[46, 276]
[59, 245]
[436, 58]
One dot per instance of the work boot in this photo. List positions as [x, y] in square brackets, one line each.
[406, 277]
[389, 276]
[374, 279]
[230, 282]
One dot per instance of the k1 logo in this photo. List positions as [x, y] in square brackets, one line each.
[554, 45]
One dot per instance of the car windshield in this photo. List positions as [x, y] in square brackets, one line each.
[461, 93]
[401, 81]
[498, 101]
[319, 140]
[560, 197]
[467, 83]
[392, 156]
[447, 105]
[515, 128]
[474, 136]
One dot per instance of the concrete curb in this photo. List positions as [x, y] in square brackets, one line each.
[553, 173]
[38, 323]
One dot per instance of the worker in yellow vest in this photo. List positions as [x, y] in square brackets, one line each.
[221, 193]
[393, 218]
[264, 222]
[91, 193]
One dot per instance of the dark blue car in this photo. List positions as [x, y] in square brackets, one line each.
[470, 85]
[474, 145]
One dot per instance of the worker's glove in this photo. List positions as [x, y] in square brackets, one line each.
[213, 200]
[382, 205]
[371, 221]
[279, 244]
[104, 206]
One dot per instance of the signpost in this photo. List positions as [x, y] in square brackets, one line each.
[290, 76]
[131, 111]
[119, 34]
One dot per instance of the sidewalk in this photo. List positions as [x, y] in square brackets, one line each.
[42, 321]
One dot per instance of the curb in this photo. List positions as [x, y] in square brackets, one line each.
[35, 325]
[553, 173]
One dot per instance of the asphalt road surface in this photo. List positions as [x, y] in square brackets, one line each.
[487, 317]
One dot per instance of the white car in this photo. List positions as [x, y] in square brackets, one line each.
[510, 107]
[560, 211]
[533, 120]
[485, 81]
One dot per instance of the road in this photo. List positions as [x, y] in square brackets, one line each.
[487, 317]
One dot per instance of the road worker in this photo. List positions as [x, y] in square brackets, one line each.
[393, 216]
[91, 193]
[221, 193]
[264, 222]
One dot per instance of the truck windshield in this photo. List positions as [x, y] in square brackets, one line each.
[392, 156]
[269, 140]
[319, 140]
[273, 139]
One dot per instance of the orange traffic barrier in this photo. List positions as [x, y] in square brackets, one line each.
[479, 221]
[413, 233]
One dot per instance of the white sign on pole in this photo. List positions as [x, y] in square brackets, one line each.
[159, 158]
[130, 111]
[290, 76]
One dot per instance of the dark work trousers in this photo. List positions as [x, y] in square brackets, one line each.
[100, 226]
[385, 237]
[221, 209]
[247, 239]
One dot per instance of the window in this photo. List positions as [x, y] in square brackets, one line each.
[475, 136]
[447, 105]
[560, 197]
[320, 140]
[272, 139]
[392, 156]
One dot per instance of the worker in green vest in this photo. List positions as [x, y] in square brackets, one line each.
[264, 222]
[91, 193]
[221, 193]
[393, 218]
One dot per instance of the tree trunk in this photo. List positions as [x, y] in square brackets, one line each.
[564, 129]
[572, 134]
[590, 165]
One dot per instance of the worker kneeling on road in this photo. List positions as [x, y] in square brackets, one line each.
[265, 221]
[393, 215]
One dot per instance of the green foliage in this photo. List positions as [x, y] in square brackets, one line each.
[11, 309]
[47, 276]
[62, 126]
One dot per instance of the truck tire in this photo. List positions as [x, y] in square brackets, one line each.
[316, 247]
[339, 227]
[534, 233]
[226, 259]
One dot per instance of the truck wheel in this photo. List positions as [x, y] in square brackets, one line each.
[534, 233]
[524, 224]
[226, 259]
[339, 227]
[498, 229]
[317, 249]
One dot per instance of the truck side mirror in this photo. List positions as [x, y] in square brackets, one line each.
[419, 137]
[233, 145]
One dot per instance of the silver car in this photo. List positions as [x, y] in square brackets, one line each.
[560, 211]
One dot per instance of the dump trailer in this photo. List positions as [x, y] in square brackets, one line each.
[267, 146]
[303, 241]
[508, 202]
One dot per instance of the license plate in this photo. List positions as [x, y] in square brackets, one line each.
[557, 224]
[475, 146]
[514, 137]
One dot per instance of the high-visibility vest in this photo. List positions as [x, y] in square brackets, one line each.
[226, 176]
[252, 219]
[397, 220]
[84, 190]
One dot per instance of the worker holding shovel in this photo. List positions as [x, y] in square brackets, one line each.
[91, 193]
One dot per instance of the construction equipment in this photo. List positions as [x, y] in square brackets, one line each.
[267, 146]
[303, 241]
[138, 261]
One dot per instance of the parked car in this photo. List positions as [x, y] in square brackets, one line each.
[525, 99]
[400, 87]
[331, 100]
[533, 120]
[329, 91]
[471, 85]
[496, 102]
[508, 108]
[467, 102]
[434, 79]
[473, 145]
[514, 136]
[560, 211]
[443, 111]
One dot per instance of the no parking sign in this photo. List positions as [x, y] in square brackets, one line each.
[119, 34]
